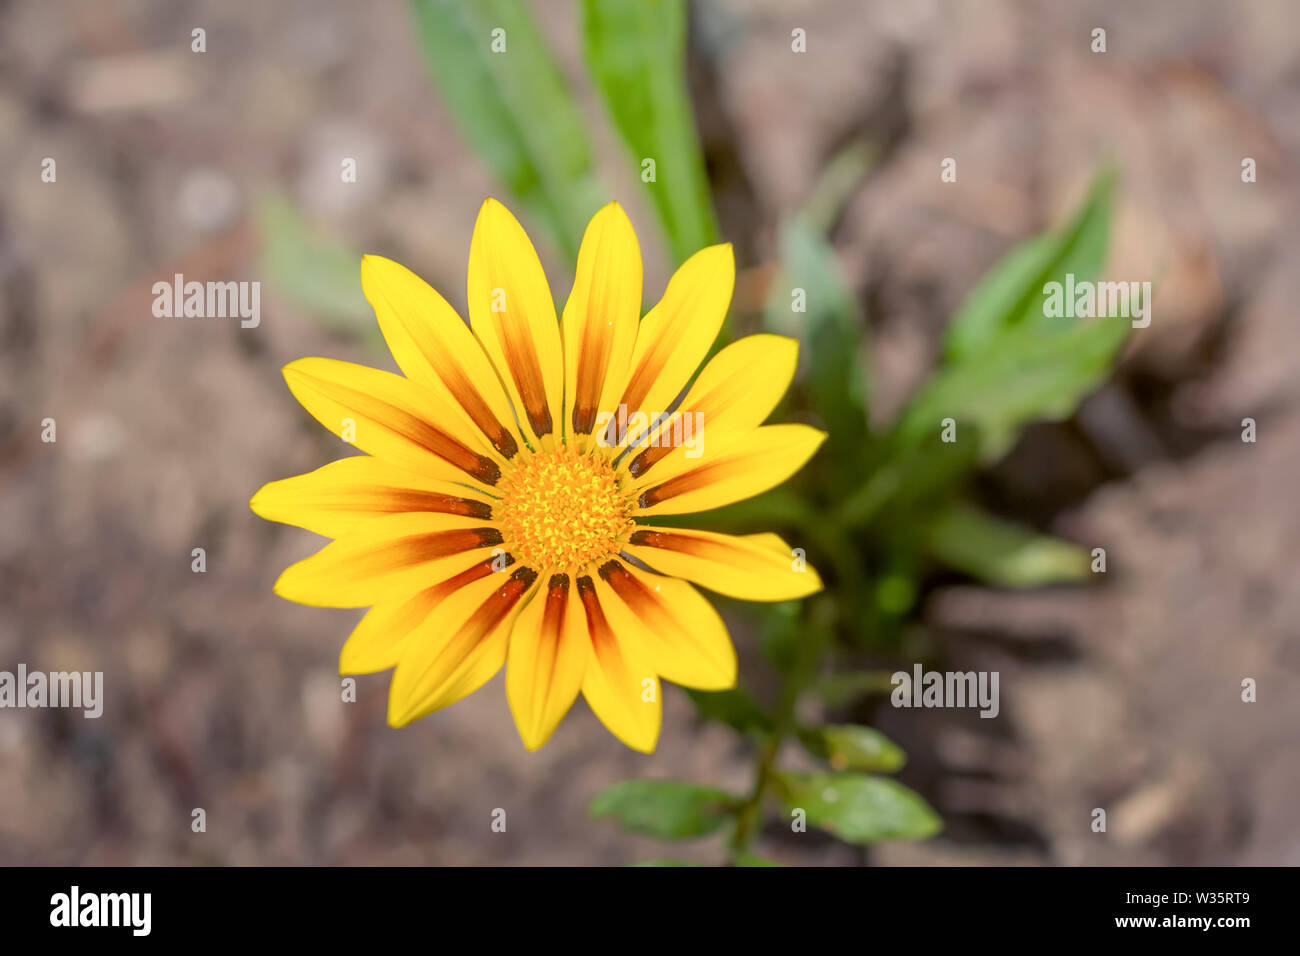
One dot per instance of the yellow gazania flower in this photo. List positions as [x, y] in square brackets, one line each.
[495, 518]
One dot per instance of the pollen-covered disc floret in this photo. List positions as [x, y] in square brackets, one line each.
[562, 510]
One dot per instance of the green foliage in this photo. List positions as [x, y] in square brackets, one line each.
[1005, 364]
[319, 274]
[1008, 364]
[852, 747]
[843, 687]
[858, 808]
[513, 108]
[667, 809]
[1002, 553]
[1030, 375]
[735, 708]
[833, 363]
[880, 508]
[1010, 295]
[636, 55]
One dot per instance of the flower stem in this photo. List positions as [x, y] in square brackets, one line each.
[747, 818]
[814, 622]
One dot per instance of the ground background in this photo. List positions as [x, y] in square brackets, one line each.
[221, 696]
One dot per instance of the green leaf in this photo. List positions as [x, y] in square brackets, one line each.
[636, 54]
[781, 634]
[858, 808]
[911, 474]
[833, 367]
[853, 747]
[1008, 364]
[839, 689]
[513, 108]
[766, 512]
[665, 809]
[319, 274]
[748, 859]
[1002, 553]
[839, 179]
[1030, 376]
[1011, 293]
[735, 708]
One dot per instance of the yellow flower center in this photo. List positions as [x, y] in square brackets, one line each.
[562, 510]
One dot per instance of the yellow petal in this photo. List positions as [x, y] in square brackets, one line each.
[674, 626]
[733, 395]
[677, 333]
[378, 641]
[513, 316]
[434, 347]
[391, 554]
[766, 457]
[392, 418]
[759, 567]
[600, 318]
[620, 686]
[549, 650]
[334, 499]
[458, 649]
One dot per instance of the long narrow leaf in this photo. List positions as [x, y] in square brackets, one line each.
[1030, 376]
[1011, 294]
[1002, 553]
[635, 51]
[514, 108]
[316, 272]
[833, 368]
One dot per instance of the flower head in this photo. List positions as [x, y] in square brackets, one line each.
[504, 510]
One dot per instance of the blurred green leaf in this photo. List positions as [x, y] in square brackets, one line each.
[838, 689]
[319, 274]
[748, 859]
[858, 808]
[1002, 553]
[833, 368]
[734, 707]
[838, 180]
[910, 475]
[896, 592]
[665, 809]
[853, 747]
[1007, 363]
[513, 108]
[1030, 376]
[766, 512]
[780, 634]
[1011, 293]
[636, 53]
